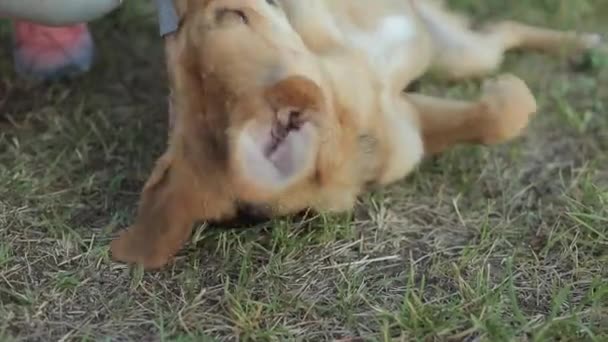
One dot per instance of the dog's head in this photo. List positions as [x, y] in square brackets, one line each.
[249, 114]
[255, 80]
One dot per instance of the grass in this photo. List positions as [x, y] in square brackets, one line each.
[505, 243]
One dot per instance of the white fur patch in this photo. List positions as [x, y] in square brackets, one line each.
[258, 168]
[294, 157]
[396, 29]
[391, 33]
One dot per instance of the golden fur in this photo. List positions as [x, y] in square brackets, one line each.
[291, 105]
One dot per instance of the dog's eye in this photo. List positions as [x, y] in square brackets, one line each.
[272, 2]
[228, 15]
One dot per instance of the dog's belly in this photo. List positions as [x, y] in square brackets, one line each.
[387, 33]
[386, 40]
[385, 46]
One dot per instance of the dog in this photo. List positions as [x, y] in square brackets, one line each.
[291, 105]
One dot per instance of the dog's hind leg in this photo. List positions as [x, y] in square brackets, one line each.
[516, 35]
[501, 114]
[463, 53]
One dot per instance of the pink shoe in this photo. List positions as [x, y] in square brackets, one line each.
[51, 52]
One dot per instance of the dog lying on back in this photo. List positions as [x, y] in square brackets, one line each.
[291, 105]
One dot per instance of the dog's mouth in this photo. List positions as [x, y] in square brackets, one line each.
[289, 133]
[285, 125]
[271, 154]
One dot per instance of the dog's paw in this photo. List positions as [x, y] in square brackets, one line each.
[594, 55]
[130, 248]
[508, 105]
[589, 41]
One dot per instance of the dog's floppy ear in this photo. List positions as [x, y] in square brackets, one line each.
[166, 214]
[188, 183]
[166, 211]
[272, 155]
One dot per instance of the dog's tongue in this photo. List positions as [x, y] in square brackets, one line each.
[282, 156]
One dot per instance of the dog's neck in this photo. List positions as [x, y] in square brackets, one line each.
[350, 83]
[348, 90]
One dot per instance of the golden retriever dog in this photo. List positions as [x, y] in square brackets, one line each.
[291, 105]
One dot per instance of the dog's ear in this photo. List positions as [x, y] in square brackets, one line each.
[188, 183]
[273, 154]
[166, 214]
[166, 211]
[178, 193]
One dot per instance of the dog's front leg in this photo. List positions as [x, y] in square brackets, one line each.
[501, 114]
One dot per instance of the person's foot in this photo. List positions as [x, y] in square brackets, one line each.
[45, 52]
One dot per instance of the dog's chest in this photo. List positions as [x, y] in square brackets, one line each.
[386, 43]
[389, 35]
